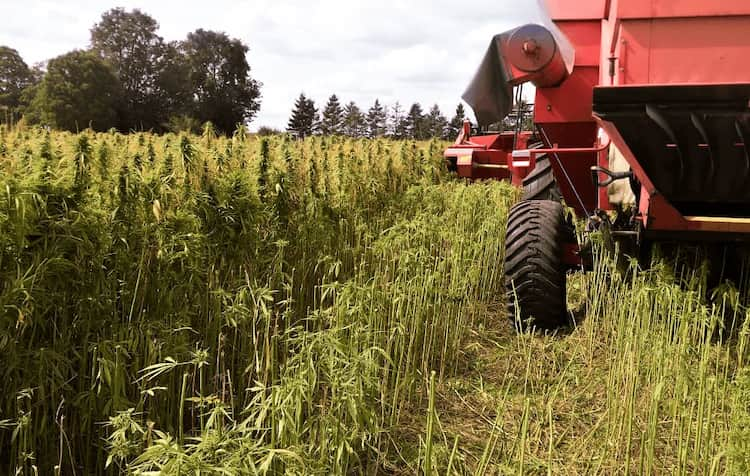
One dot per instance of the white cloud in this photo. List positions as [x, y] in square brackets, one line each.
[421, 50]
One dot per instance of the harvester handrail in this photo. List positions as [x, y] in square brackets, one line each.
[564, 150]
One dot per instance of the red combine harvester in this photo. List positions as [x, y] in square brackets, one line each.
[661, 85]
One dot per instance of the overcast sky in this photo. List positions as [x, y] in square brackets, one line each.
[408, 51]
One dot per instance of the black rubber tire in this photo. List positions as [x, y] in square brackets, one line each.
[540, 184]
[535, 275]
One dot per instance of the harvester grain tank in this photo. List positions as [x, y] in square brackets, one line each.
[664, 85]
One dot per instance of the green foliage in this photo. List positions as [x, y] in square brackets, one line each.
[180, 288]
[376, 118]
[132, 80]
[79, 91]
[304, 119]
[331, 123]
[223, 92]
[354, 124]
[455, 124]
[436, 124]
[416, 125]
[145, 66]
[203, 304]
[15, 77]
[153, 73]
[738, 453]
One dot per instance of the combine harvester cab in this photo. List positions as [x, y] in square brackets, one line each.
[661, 85]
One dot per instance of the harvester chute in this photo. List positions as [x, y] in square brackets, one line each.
[529, 53]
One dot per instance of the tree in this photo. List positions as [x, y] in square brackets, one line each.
[435, 123]
[223, 90]
[455, 125]
[173, 96]
[78, 91]
[129, 42]
[415, 123]
[304, 117]
[510, 122]
[15, 77]
[354, 121]
[397, 125]
[264, 131]
[332, 121]
[376, 120]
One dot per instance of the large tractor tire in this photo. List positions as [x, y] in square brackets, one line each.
[540, 184]
[535, 272]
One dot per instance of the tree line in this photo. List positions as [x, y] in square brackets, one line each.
[378, 121]
[130, 78]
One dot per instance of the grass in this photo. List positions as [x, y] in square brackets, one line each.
[204, 305]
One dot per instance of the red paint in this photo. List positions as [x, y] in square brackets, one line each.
[619, 43]
[487, 156]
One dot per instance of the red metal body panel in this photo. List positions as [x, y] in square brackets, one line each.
[571, 102]
[676, 8]
[659, 51]
[487, 156]
[577, 9]
[573, 169]
[564, 113]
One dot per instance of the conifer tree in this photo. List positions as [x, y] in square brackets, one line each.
[415, 123]
[354, 124]
[304, 117]
[376, 118]
[397, 127]
[435, 122]
[332, 120]
[454, 127]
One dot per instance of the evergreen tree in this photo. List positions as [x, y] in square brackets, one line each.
[435, 122]
[397, 122]
[415, 123]
[454, 127]
[304, 118]
[354, 124]
[376, 120]
[332, 120]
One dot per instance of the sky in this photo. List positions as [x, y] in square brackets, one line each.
[408, 51]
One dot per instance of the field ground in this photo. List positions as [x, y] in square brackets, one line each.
[192, 305]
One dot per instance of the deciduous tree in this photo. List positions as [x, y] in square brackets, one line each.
[78, 91]
[143, 63]
[223, 90]
[15, 77]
